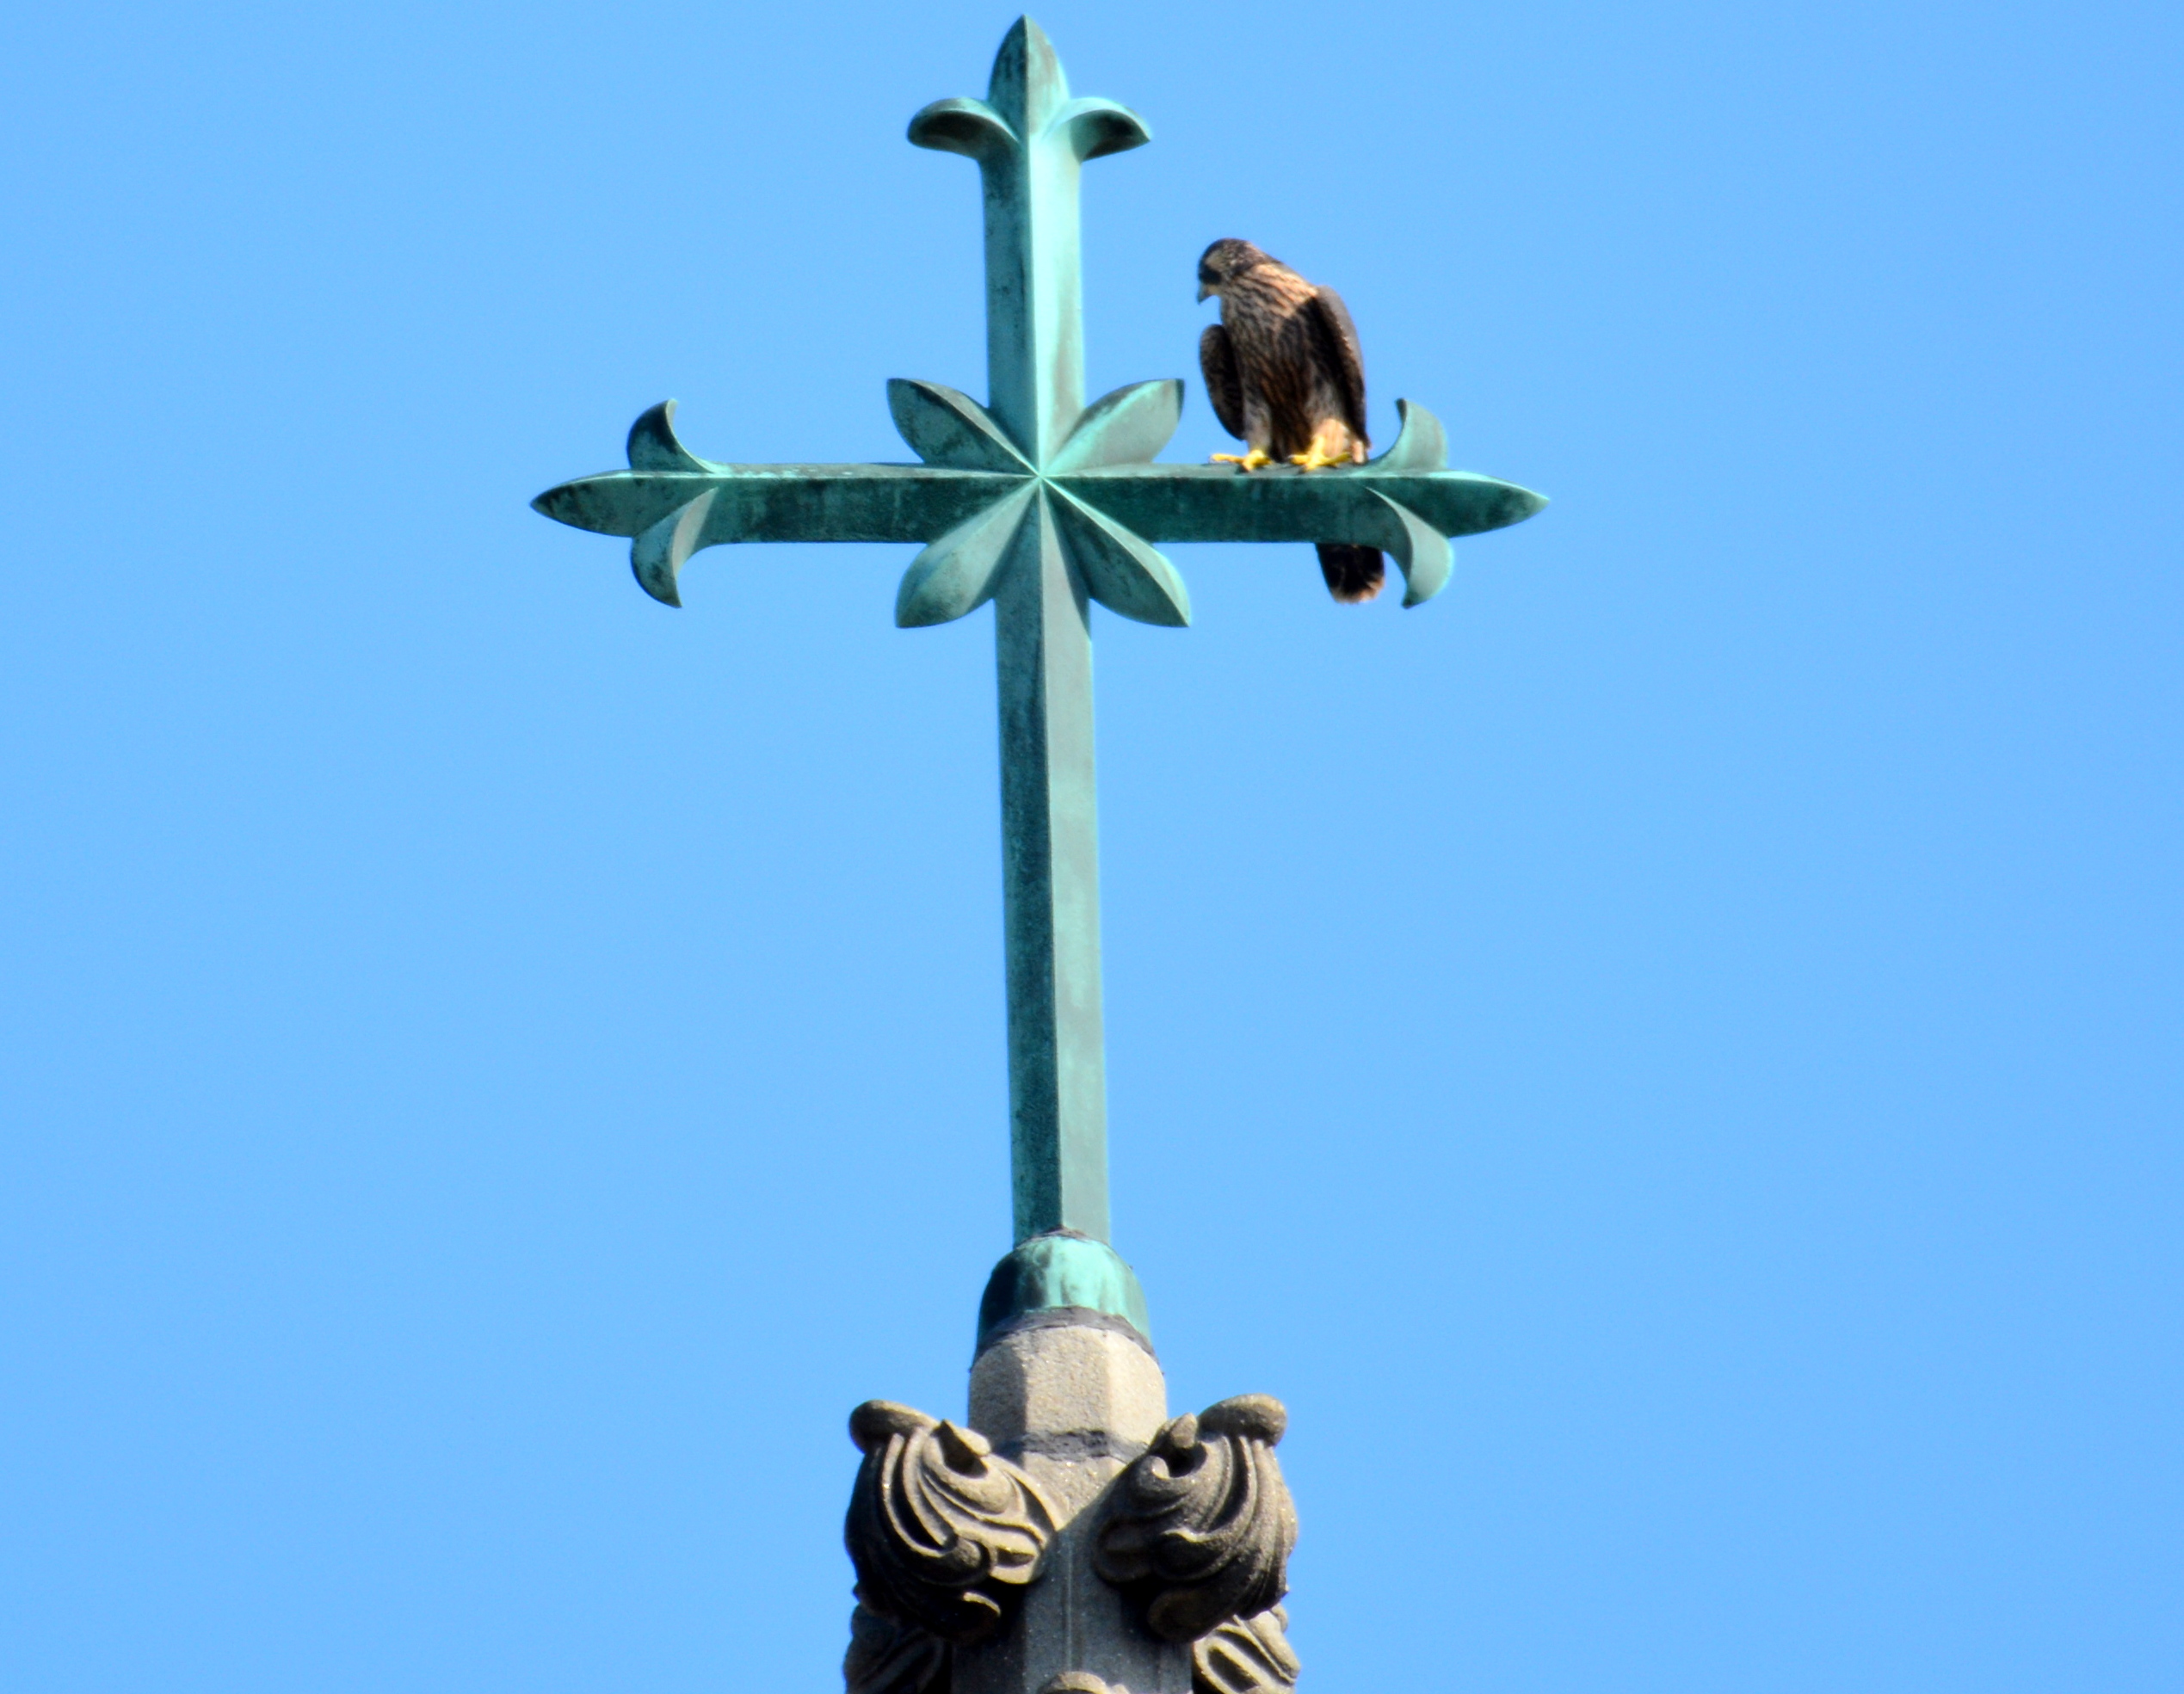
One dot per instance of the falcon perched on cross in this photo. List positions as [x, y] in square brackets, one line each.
[1286, 376]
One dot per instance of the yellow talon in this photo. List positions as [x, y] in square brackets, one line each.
[1250, 461]
[1316, 459]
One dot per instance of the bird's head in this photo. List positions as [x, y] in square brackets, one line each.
[1223, 263]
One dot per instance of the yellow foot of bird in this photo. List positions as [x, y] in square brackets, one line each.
[1250, 461]
[1314, 459]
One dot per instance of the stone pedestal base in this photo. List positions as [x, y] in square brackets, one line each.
[1070, 1538]
[1071, 1397]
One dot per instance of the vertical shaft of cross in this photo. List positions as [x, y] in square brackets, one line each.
[1050, 858]
[1049, 827]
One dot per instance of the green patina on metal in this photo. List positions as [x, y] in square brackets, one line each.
[1057, 1271]
[1041, 504]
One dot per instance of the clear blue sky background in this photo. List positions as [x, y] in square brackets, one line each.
[1666, 1058]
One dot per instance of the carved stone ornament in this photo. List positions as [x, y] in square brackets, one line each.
[1199, 1528]
[1245, 1655]
[943, 1531]
[885, 1657]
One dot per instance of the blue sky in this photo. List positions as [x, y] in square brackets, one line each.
[1666, 1058]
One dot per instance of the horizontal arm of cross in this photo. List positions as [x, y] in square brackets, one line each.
[781, 502]
[976, 486]
[1214, 502]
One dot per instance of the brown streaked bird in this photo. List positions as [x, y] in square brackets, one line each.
[1286, 375]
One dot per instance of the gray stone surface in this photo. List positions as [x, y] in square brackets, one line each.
[943, 1530]
[1246, 1655]
[888, 1656]
[1070, 1538]
[1198, 1530]
[1071, 1404]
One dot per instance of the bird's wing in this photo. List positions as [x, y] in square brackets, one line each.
[1217, 363]
[1339, 353]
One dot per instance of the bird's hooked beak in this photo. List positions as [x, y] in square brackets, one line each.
[1206, 290]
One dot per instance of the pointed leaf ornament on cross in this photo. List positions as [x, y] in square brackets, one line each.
[1042, 505]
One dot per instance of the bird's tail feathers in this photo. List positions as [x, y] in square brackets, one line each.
[1354, 574]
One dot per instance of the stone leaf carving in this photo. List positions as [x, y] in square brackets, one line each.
[1199, 1528]
[943, 1531]
[1245, 1655]
[885, 1657]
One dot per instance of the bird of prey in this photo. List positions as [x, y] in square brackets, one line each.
[1285, 376]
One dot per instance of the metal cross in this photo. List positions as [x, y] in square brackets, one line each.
[1041, 504]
